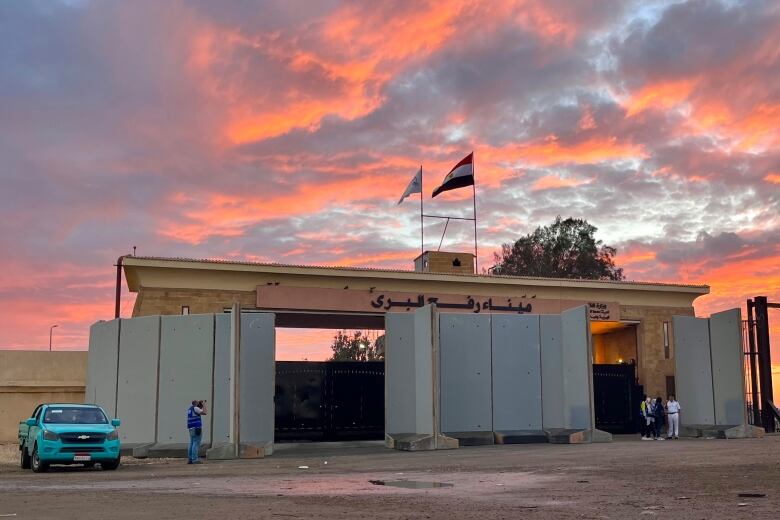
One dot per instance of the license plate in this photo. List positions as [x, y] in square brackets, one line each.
[82, 458]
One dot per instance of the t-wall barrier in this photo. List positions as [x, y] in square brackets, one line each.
[147, 370]
[709, 376]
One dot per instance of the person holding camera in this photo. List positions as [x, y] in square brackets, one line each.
[195, 426]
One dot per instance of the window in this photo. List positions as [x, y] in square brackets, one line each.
[670, 390]
[185, 309]
[667, 354]
[63, 415]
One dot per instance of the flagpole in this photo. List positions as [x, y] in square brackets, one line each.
[422, 229]
[474, 191]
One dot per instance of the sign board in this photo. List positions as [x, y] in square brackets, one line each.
[280, 297]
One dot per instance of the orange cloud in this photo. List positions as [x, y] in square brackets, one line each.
[226, 215]
[356, 50]
[551, 151]
[773, 178]
[663, 95]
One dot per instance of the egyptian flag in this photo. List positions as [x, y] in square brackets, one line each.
[461, 175]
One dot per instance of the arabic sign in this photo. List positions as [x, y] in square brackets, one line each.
[470, 304]
[280, 297]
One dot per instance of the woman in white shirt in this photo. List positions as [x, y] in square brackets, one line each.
[673, 414]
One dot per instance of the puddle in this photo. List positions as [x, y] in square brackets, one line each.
[411, 484]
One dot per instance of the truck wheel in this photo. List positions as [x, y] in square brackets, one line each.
[24, 458]
[110, 466]
[38, 466]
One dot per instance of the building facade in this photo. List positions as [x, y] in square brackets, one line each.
[631, 322]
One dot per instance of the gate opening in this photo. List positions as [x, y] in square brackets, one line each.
[616, 391]
[318, 398]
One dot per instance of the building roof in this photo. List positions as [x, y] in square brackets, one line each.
[131, 262]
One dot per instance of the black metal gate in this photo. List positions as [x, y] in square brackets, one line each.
[616, 398]
[329, 400]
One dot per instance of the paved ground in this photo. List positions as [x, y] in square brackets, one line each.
[699, 479]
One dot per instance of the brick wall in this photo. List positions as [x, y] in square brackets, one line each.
[444, 262]
[200, 301]
[653, 366]
[613, 346]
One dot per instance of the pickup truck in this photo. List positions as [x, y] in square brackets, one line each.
[68, 434]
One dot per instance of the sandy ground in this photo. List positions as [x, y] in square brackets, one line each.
[697, 479]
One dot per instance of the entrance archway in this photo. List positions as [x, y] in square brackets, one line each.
[318, 399]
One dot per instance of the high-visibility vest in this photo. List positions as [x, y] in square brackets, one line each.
[643, 408]
[193, 419]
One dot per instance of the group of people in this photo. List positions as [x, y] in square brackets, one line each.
[652, 414]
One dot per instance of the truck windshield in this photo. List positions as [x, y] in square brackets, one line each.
[67, 415]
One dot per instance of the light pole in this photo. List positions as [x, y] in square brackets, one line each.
[51, 329]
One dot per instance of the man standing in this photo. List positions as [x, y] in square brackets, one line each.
[195, 426]
[673, 412]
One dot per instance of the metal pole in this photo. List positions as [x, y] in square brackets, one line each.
[118, 286]
[422, 230]
[474, 192]
[764, 361]
[51, 330]
[753, 366]
[442, 235]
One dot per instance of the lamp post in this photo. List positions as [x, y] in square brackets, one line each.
[51, 330]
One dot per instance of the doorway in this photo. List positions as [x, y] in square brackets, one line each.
[319, 399]
[329, 400]
[616, 391]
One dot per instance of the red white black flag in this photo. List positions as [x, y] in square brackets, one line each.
[461, 175]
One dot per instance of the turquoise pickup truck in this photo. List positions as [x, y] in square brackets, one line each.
[68, 434]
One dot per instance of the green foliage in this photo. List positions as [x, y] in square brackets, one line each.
[357, 347]
[564, 249]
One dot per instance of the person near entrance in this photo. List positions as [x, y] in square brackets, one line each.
[195, 427]
[643, 422]
[658, 418]
[673, 414]
[649, 419]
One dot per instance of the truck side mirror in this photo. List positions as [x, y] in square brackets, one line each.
[115, 423]
[31, 421]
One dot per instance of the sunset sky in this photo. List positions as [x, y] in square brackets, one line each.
[286, 131]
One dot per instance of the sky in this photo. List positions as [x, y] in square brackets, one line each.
[285, 131]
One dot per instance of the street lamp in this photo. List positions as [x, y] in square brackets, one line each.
[51, 329]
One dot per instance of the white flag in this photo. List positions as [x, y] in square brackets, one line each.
[415, 185]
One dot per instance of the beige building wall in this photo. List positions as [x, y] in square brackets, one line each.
[615, 346]
[653, 366]
[165, 286]
[28, 378]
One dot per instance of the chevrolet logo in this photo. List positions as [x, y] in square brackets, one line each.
[83, 437]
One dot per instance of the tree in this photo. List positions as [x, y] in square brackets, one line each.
[357, 347]
[564, 249]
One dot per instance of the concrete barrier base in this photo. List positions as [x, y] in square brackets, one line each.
[226, 451]
[725, 431]
[472, 438]
[256, 450]
[566, 436]
[172, 451]
[419, 442]
[138, 451]
[519, 437]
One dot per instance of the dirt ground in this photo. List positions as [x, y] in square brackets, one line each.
[697, 479]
